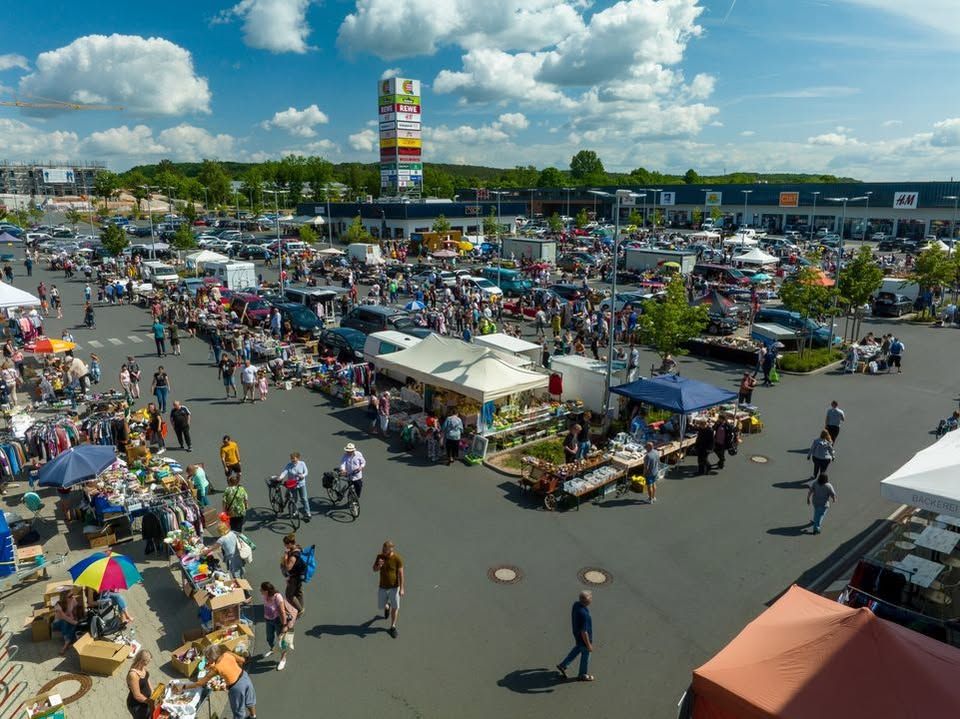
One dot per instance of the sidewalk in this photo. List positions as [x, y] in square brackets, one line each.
[161, 612]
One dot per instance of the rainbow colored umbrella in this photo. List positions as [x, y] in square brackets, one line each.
[105, 572]
[45, 345]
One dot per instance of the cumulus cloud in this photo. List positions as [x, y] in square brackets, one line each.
[297, 122]
[20, 141]
[483, 79]
[194, 143]
[124, 141]
[391, 29]
[274, 25]
[363, 141]
[946, 133]
[150, 75]
[891, 123]
[832, 139]
[10, 61]
[747, 133]
[513, 121]
[391, 72]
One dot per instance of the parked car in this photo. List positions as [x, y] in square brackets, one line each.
[891, 304]
[252, 252]
[634, 300]
[820, 336]
[577, 261]
[893, 244]
[487, 289]
[301, 319]
[375, 318]
[346, 342]
[251, 309]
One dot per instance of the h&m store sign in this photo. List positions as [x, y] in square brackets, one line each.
[905, 200]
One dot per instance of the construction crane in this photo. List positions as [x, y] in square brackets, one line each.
[48, 104]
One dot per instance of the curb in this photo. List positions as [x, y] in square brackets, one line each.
[818, 370]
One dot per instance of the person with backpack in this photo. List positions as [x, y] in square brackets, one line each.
[280, 617]
[293, 567]
[229, 545]
[235, 502]
[895, 357]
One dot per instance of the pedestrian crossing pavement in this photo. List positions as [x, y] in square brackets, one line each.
[115, 341]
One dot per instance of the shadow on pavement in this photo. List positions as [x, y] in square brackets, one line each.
[629, 502]
[795, 484]
[532, 681]
[165, 600]
[347, 630]
[524, 499]
[258, 518]
[794, 531]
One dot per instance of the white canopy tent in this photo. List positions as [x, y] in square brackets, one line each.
[196, 260]
[756, 256]
[940, 244]
[315, 220]
[528, 351]
[475, 372]
[705, 236]
[330, 251]
[740, 241]
[11, 296]
[930, 480]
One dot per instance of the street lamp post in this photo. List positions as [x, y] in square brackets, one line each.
[706, 194]
[153, 241]
[499, 241]
[326, 191]
[843, 222]
[532, 190]
[743, 235]
[866, 220]
[655, 204]
[813, 217]
[276, 207]
[613, 285]
[568, 199]
[953, 222]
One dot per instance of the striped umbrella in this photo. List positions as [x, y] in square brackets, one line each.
[105, 572]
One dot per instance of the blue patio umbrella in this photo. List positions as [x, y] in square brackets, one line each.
[760, 277]
[77, 464]
[415, 306]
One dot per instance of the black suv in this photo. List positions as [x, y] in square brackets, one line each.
[303, 321]
[894, 244]
[374, 318]
[890, 304]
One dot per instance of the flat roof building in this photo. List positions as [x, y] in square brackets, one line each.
[48, 179]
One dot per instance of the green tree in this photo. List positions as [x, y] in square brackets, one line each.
[252, 187]
[858, 281]
[555, 223]
[319, 173]
[74, 217]
[657, 217]
[36, 214]
[441, 225]
[586, 165]
[21, 216]
[105, 184]
[635, 218]
[308, 234]
[190, 212]
[805, 293]
[715, 214]
[933, 268]
[666, 325]
[135, 182]
[691, 177]
[183, 238]
[697, 216]
[357, 232]
[215, 180]
[114, 239]
[551, 177]
[582, 219]
[491, 227]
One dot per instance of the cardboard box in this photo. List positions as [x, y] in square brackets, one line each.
[41, 624]
[100, 657]
[186, 668]
[192, 635]
[102, 538]
[53, 590]
[243, 637]
[225, 607]
[43, 706]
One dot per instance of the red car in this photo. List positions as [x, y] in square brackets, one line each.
[251, 309]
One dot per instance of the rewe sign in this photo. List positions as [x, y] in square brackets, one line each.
[905, 200]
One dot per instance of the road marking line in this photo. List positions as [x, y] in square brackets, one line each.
[95, 343]
[134, 338]
[114, 341]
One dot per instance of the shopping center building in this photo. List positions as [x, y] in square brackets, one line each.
[48, 179]
[900, 209]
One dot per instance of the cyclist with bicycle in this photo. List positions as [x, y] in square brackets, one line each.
[296, 469]
[351, 467]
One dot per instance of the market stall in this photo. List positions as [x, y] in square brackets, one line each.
[930, 479]
[528, 352]
[756, 257]
[739, 350]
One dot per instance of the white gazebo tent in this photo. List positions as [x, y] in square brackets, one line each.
[529, 352]
[475, 372]
[315, 220]
[705, 236]
[740, 241]
[196, 260]
[930, 480]
[756, 256]
[11, 296]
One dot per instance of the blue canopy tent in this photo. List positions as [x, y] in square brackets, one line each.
[677, 394]
[77, 464]
[8, 564]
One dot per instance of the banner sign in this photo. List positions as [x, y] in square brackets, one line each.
[400, 117]
[905, 200]
[404, 125]
[389, 125]
[668, 198]
[399, 100]
[58, 175]
[713, 199]
[789, 199]
[399, 86]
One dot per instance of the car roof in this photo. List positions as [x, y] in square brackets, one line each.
[381, 310]
[397, 338]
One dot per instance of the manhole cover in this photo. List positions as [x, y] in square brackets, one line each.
[759, 459]
[594, 577]
[79, 684]
[505, 574]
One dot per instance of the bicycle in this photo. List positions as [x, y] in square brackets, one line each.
[283, 499]
[339, 488]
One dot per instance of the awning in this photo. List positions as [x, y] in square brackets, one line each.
[676, 393]
[930, 479]
[11, 296]
[756, 256]
[306, 220]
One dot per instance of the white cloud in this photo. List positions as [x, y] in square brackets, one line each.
[484, 79]
[10, 61]
[391, 29]
[297, 122]
[701, 87]
[20, 141]
[716, 123]
[462, 135]
[150, 75]
[391, 72]
[513, 121]
[891, 123]
[192, 143]
[832, 139]
[123, 141]
[274, 25]
[747, 133]
[363, 141]
[946, 133]
[816, 92]
[941, 16]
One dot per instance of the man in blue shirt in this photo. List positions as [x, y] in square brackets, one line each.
[582, 626]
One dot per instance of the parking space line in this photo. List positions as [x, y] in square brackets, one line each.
[95, 344]
[114, 341]
[134, 338]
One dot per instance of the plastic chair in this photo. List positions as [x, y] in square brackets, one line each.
[34, 504]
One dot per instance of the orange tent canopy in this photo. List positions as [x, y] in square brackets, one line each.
[807, 657]
[822, 280]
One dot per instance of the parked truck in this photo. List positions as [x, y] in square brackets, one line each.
[649, 259]
[529, 248]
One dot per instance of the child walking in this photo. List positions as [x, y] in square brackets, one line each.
[263, 385]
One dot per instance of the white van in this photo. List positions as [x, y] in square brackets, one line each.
[387, 342]
[159, 273]
[366, 253]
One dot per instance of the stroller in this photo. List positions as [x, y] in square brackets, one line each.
[947, 425]
[102, 620]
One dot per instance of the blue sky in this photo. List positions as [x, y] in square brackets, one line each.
[859, 87]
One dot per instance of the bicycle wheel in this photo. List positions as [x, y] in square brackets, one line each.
[353, 501]
[276, 500]
[293, 513]
[335, 493]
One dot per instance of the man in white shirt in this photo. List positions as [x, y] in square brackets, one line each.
[835, 416]
[248, 378]
[296, 468]
[351, 465]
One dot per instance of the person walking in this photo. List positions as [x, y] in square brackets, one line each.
[747, 383]
[296, 469]
[180, 419]
[897, 348]
[155, 428]
[56, 300]
[704, 445]
[230, 457]
[293, 568]
[582, 626]
[248, 380]
[820, 494]
[159, 337]
[383, 413]
[835, 416]
[722, 435]
[351, 466]
[173, 332]
[822, 453]
[279, 616]
[197, 476]
[651, 471]
[161, 388]
[125, 381]
[452, 432]
[135, 373]
[227, 368]
[392, 579]
[235, 502]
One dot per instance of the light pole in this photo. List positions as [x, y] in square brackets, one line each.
[813, 217]
[655, 204]
[531, 190]
[326, 191]
[866, 220]
[953, 222]
[153, 241]
[743, 235]
[499, 242]
[843, 222]
[706, 194]
[568, 189]
[613, 285]
[276, 207]
[89, 204]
